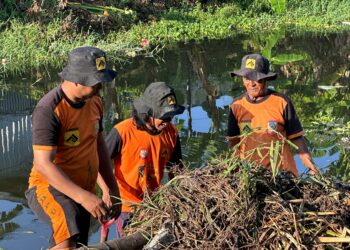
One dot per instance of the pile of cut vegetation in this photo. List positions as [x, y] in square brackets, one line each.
[232, 204]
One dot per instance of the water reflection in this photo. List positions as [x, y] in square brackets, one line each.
[6, 226]
[199, 73]
[15, 129]
[22, 230]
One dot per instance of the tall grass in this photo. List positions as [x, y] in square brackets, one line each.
[33, 46]
[36, 46]
[325, 10]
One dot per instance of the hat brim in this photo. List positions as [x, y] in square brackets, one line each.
[143, 107]
[88, 78]
[254, 75]
[178, 109]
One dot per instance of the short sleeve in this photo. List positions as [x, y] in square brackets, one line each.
[114, 143]
[292, 124]
[232, 126]
[176, 156]
[45, 127]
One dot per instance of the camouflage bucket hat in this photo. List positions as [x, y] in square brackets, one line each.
[158, 101]
[87, 66]
[255, 67]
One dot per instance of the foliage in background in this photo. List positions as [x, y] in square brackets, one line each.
[328, 10]
[50, 32]
[341, 168]
[327, 127]
[35, 47]
[278, 6]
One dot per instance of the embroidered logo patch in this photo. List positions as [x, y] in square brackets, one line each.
[245, 126]
[171, 100]
[72, 138]
[272, 125]
[100, 63]
[143, 153]
[250, 64]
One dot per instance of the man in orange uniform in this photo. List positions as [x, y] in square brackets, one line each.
[143, 145]
[266, 117]
[69, 151]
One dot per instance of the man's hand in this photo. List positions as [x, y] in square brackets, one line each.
[111, 199]
[113, 204]
[116, 207]
[313, 170]
[107, 199]
[304, 154]
[94, 205]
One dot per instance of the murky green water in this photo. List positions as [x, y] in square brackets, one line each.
[318, 85]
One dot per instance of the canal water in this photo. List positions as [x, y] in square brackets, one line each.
[313, 70]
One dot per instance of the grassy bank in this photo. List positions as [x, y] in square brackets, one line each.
[36, 46]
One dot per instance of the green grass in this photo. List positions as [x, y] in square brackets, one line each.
[32, 46]
[327, 11]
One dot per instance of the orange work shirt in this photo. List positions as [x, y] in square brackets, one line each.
[139, 158]
[270, 119]
[71, 129]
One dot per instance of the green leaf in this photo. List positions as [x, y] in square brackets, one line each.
[259, 153]
[278, 6]
[266, 53]
[271, 41]
[283, 59]
[292, 144]
[272, 162]
[307, 99]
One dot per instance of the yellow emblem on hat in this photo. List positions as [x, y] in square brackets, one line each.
[250, 64]
[171, 100]
[100, 63]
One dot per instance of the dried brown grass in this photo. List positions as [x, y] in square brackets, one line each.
[232, 204]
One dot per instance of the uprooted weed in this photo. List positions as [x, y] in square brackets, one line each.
[232, 204]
